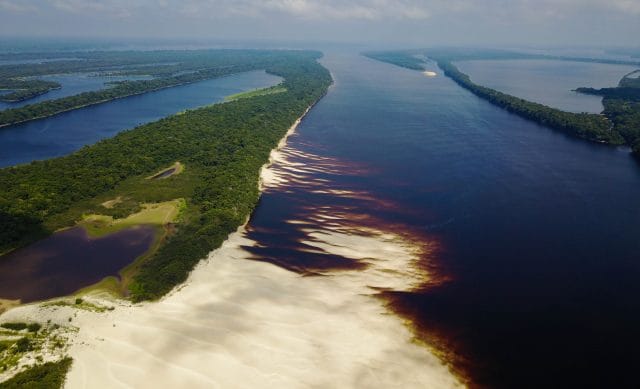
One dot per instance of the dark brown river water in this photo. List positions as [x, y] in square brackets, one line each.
[530, 239]
[67, 261]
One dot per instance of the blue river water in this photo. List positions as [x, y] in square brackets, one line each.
[69, 131]
[547, 82]
[71, 84]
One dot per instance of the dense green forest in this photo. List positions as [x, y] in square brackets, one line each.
[618, 126]
[50, 375]
[168, 69]
[22, 89]
[222, 148]
[622, 107]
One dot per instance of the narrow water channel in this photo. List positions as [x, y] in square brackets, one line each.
[67, 132]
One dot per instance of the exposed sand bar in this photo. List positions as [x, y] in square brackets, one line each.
[240, 323]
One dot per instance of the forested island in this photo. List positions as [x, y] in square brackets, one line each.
[168, 69]
[619, 125]
[221, 147]
[622, 107]
[21, 89]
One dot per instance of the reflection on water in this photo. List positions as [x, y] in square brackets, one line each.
[67, 261]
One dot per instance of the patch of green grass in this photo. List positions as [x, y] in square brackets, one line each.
[23, 345]
[157, 214]
[133, 192]
[14, 326]
[50, 375]
[111, 285]
[257, 92]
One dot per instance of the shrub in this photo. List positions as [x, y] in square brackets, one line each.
[34, 327]
[24, 345]
[14, 326]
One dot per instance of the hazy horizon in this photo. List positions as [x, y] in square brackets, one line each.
[375, 23]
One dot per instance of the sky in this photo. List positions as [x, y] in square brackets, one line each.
[406, 23]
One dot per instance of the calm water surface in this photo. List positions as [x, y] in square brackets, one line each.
[547, 82]
[71, 84]
[534, 268]
[69, 131]
[68, 261]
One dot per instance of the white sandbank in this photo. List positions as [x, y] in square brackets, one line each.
[239, 323]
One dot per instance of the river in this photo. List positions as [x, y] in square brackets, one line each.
[527, 239]
[70, 85]
[67, 132]
[548, 82]
[403, 206]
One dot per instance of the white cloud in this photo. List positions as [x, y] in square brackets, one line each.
[13, 7]
[117, 8]
[632, 6]
[371, 10]
[307, 9]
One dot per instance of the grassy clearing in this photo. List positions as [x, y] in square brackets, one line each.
[110, 285]
[257, 92]
[131, 194]
[157, 214]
